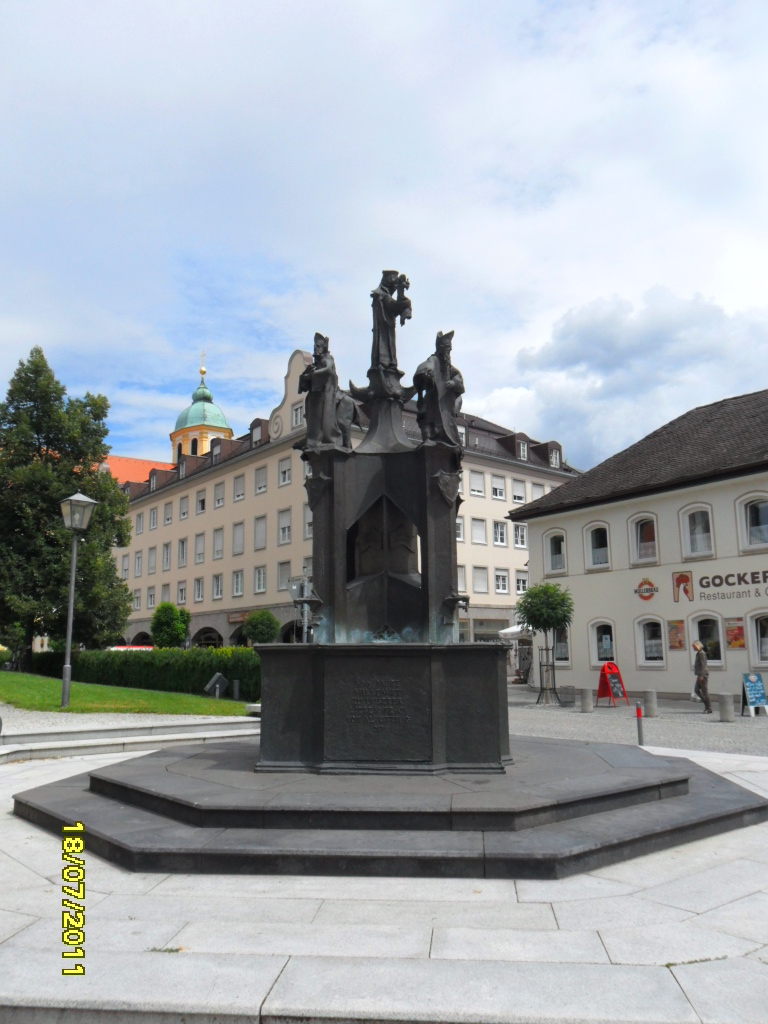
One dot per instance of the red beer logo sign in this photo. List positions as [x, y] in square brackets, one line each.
[646, 590]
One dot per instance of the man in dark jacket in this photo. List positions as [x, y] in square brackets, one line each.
[701, 671]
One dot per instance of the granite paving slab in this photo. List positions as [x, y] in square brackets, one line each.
[726, 991]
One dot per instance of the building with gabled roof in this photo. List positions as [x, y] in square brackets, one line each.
[662, 544]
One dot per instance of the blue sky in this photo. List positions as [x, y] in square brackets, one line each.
[577, 189]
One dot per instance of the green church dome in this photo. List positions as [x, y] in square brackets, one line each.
[203, 411]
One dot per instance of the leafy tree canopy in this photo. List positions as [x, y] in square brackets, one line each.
[168, 628]
[50, 447]
[261, 627]
[544, 606]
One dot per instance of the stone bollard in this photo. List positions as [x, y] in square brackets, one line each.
[726, 707]
[650, 705]
[587, 700]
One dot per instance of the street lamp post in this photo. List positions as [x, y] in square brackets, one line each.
[76, 512]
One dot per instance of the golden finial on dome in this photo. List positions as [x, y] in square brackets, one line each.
[203, 371]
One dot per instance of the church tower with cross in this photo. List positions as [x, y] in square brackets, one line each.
[199, 423]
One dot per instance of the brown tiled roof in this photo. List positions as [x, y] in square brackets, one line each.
[123, 468]
[727, 438]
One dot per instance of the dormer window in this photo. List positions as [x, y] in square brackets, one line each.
[182, 470]
[152, 481]
[216, 454]
[522, 450]
[462, 435]
[554, 458]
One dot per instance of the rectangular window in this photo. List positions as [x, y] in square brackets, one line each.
[168, 513]
[461, 579]
[476, 483]
[284, 472]
[137, 600]
[259, 533]
[182, 470]
[237, 583]
[557, 552]
[501, 581]
[181, 592]
[199, 547]
[554, 458]
[259, 579]
[238, 488]
[521, 582]
[218, 587]
[152, 482]
[478, 531]
[153, 519]
[461, 483]
[151, 561]
[126, 566]
[521, 535]
[283, 575]
[218, 542]
[182, 552]
[307, 523]
[150, 597]
[498, 487]
[307, 567]
[137, 560]
[284, 526]
[459, 527]
[537, 491]
[518, 490]
[215, 454]
[522, 450]
[200, 502]
[166, 556]
[199, 589]
[184, 507]
[165, 593]
[480, 579]
[260, 480]
[462, 436]
[700, 533]
[500, 534]
[139, 523]
[297, 415]
[218, 495]
[238, 538]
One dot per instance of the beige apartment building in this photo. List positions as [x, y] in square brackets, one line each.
[223, 532]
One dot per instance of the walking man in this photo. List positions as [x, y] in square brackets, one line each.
[701, 671]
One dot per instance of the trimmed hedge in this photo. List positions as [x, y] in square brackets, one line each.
[165, 668]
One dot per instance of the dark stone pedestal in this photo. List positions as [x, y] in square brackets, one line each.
[384, 708]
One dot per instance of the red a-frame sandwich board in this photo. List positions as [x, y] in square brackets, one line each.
[611, 684]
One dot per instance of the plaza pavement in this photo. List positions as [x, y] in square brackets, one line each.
[678, 936]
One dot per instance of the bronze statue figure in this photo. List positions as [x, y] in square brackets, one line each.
[321, 383]
[440, 387]
[389, 302]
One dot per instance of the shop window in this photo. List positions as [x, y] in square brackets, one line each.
[597, 552]
[562, 645]
[601, 642]
[649, 637]
[696, 529]
[643, 539]
[707, 630]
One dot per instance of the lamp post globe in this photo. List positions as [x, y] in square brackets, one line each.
[76, 512]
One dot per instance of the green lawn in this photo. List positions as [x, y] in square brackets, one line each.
[39, 693]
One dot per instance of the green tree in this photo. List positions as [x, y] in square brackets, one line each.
[544, 607]
[50, 447]
[261, 627]
[168, 628]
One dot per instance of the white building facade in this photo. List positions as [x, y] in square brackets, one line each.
[683, 557]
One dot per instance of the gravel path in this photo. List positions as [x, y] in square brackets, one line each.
[17, 720]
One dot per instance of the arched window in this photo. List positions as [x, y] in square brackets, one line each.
[596, 549]
[707, 629]
[696, 531]
[649, 640]
[193, 449]
[178, 451]
[554, 553]
[602, 646]
[757, 638]
[642, 539]
[752, 511]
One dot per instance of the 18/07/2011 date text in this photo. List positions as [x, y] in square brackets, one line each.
[73, 897]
